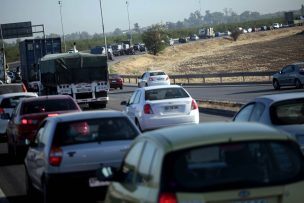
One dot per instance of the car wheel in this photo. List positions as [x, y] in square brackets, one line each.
[121, 87]
[276, 85]
[146, 85]
[138, 85]
[298, 84]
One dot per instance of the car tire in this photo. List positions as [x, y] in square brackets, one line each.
[276, 84]
[121, 87]
[146, 84]
[298, 84]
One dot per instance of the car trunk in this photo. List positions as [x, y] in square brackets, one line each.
[168, 107]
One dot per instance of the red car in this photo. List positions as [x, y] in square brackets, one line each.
[27, 116]
[115, 81]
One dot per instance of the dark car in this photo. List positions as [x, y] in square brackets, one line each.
[115, 81]
[27, 116]
[290, 75]
[182, 40]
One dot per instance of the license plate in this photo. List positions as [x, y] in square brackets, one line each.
[252, 201]
[160, 78]
[170, 108]
[113, 80]
[94, 182]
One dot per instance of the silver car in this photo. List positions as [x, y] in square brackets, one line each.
[290, 75]
[69, 148]
[151, 78]
[8, 102]
[283, 111]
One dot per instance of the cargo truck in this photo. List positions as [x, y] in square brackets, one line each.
[31, 51]
[83, 76]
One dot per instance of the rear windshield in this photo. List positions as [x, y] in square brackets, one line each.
[165, 93]
[288, 112]
[94, 130]
[48, 106]
[233, 166]
[157, 73]
[11, 102]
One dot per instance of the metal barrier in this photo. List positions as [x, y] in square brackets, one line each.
[192, 78]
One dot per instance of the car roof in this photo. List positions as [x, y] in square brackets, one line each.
[298, 63]
[188, 136]
[49, 97]
[85, 115]
[161, 87]
[154, 71]
[8, 95]
[282, 97]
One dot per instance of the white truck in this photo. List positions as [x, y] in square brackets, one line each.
[206, 32]
[83, 76]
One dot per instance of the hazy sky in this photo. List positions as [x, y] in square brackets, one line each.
[84, 15]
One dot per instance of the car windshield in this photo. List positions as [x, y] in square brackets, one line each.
[288, 112]
[94, 130]
[157, 73]
[165, 93]
[12, 102]
[233, 165]
[48, 106]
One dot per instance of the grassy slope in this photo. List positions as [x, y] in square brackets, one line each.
[261, 51]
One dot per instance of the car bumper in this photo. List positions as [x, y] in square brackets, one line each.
[154, 122]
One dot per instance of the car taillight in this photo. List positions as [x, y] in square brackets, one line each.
[26, 121]
[148, 109]
[55, 156]
[193, 105]
[1, 110]
[52, 114]
[167, 198]
[24, 88]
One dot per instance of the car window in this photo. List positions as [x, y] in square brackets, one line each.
[287, 69]
[244, 113]
[165, 93]
[257, 112]
[11, 102]
[232, 165]
[157, 73]
[132, 99]
[130, 163]
[144, 170]
[94, 130]
[137, 98]
[48, 106]
[288, 112]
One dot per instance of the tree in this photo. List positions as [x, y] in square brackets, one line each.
[154, 39]
[136, 28]
[117, 31]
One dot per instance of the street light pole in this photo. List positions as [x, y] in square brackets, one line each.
[60, 6]
[103, 32]
[127, 3]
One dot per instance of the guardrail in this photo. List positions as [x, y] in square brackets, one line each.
[214, 78]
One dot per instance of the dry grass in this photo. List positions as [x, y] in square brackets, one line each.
[261, 51]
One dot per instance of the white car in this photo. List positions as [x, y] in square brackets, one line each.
[150, 78]
[161, 106]
[276, 25]
[8, 102]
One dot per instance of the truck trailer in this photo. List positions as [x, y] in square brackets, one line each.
[83, 76]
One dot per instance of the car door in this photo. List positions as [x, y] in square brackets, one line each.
[284, 78]
[35, 157]
[125, 189]
[133, 105]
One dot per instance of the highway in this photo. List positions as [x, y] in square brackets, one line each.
[12, 183]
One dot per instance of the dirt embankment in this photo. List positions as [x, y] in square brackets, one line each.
[260, 51]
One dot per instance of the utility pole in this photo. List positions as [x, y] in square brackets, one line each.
[103, 32]
[60, 6]
[130, 33]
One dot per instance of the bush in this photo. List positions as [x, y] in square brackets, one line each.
[235, 34]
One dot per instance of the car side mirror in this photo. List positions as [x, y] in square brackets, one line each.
[124, 103]
[5, 116]
[105, 173]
